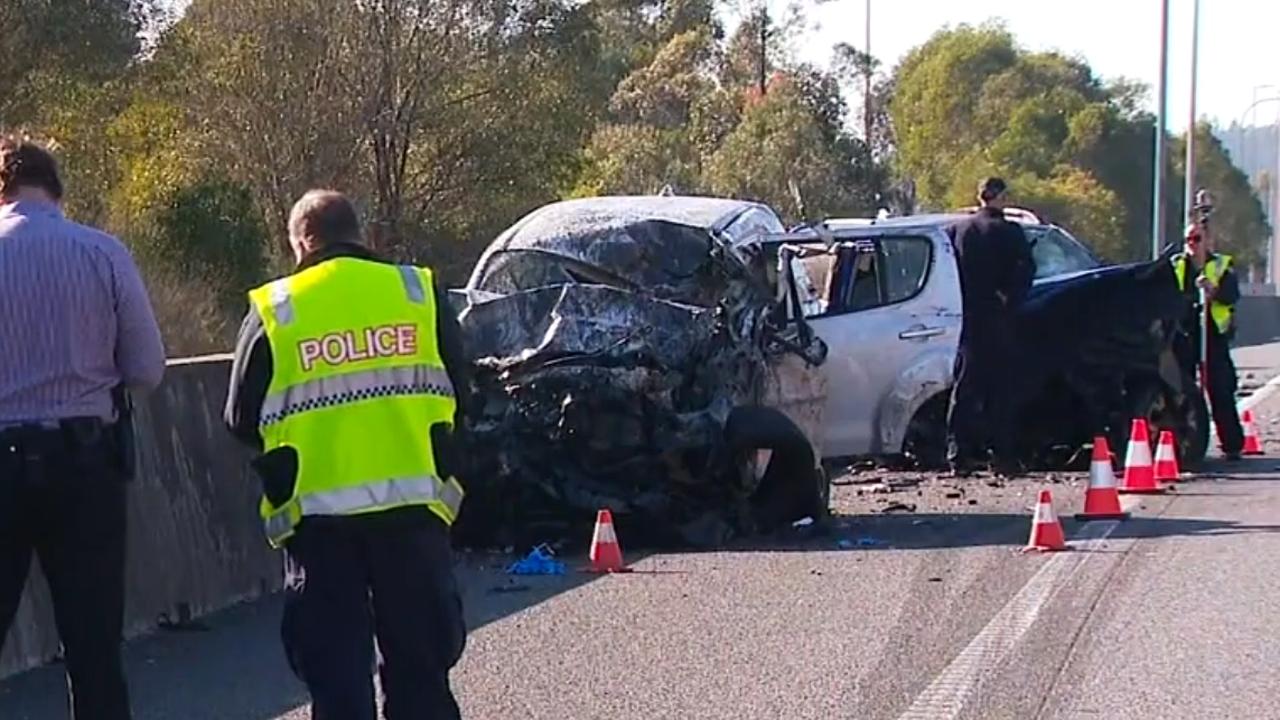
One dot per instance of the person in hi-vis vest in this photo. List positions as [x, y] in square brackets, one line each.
[1198, 268]
[347, 378]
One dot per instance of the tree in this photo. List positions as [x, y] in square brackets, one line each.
[1239, 222]
[970, 102]
[414, 107]
[937, 88]
[663, 118]
[49, 43]
[782, 147]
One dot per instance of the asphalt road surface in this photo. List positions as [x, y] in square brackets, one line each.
[916, 604]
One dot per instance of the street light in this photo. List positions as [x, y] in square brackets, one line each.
[1189, 198]
[866, 99]
[1162, 122]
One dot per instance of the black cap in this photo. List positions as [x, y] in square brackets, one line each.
[991, 188]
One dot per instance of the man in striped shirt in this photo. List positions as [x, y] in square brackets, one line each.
[76, 326]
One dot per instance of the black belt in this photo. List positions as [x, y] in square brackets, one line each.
[53, 436]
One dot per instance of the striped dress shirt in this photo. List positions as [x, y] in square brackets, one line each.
[75, 319]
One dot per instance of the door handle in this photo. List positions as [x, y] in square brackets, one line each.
[920, 332]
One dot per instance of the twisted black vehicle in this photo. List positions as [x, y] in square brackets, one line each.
[632, 353]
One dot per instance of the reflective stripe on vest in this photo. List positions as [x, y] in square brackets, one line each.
[354, 387]
[281, 303]
[358, 382]
[367, 497]
[1213, 270]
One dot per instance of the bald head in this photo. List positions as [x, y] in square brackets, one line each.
[319, 219]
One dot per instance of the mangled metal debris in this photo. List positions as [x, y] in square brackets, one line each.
[630, 354]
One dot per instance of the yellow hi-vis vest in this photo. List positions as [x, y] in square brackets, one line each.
[357, 383]
[1214, 270]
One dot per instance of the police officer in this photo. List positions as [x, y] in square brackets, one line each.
[76, 328]
[1200, 268]
[346, 375]
[996, 269]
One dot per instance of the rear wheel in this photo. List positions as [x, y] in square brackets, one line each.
[925, 443]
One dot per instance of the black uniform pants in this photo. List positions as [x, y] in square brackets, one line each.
[1222, 394]
[64, 501]
[389, 575]
[983, 399]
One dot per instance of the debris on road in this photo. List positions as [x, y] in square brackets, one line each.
[861, 542]
[539, 561]
[509, 589]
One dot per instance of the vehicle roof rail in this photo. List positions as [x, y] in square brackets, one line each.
[1015, 214]
[1022, 215]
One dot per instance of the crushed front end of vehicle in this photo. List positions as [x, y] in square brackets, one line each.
[628, 364]
[1100, 349]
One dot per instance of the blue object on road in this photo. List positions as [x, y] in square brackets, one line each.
[539, 561]
[864, 541]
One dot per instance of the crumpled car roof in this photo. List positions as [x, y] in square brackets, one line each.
[549, 225]
[657, 243]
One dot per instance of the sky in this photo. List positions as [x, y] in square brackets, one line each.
[1118, 38]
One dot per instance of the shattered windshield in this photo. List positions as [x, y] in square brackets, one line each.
[665, 258]
[1057, 253]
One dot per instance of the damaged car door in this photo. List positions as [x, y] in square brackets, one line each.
[1097, 343]
[887, 304]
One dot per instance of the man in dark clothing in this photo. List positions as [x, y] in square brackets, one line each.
[1198, 269]
[996, 270]
[337, 363]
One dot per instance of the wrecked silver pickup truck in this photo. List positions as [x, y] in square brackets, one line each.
[631, 353]
[1098, 345]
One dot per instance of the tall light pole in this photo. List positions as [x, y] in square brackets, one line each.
[866, 99]
[1162, 123]
[1190, 198]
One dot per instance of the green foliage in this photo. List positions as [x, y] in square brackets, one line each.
[970, 102]
[1239, 222]
[48, 43]
[637, 159]
[782, 146]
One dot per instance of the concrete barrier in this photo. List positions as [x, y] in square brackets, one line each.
[195, 542]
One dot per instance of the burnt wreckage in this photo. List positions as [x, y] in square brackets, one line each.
[632, 353]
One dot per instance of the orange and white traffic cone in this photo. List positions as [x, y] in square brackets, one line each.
[1167, 459]
[1046, 531]
[1252, 445]
[1139, 475]
[606, 554]
[1101, 501]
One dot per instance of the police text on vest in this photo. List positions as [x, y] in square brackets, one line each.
[350, 346]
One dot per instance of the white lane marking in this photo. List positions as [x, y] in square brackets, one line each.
[1258, 396]
[950, 690]
[946, 696]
